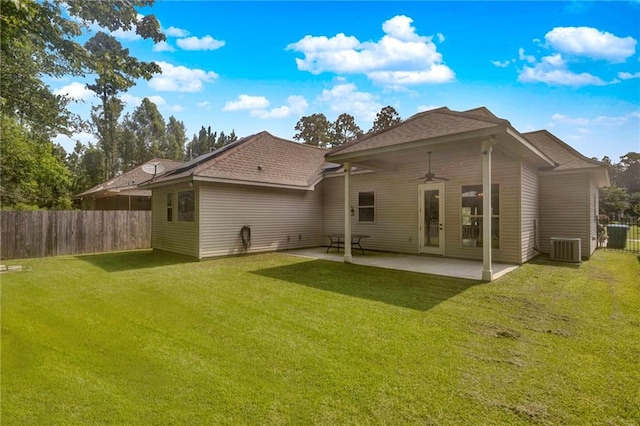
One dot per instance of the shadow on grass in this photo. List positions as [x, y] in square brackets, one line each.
[131, 260]
[399, 288]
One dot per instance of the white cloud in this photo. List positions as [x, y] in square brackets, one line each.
[554, 61]
[204, 43]
[245, 102]
[135, 100]
[436, 74]
[400, 57]
[542, 73]
[163, 46]
[628, 75]
[601, 120]
[524, 57]
[203, 104]
[176, 32]
[180, 78]
[296, 105]
[570, 45]
[591, 43]
[501, 64]
[440, 37]
[75, 90]
[174, 108]
[345, 98]
[564, 119]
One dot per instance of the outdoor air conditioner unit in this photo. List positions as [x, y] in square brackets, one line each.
[566, 249]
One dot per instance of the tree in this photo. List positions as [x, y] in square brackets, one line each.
[38, 39]
[313, 130]
[614, 200]
[226, 139]
[202, 143]
[634, 201]
[149, 129]
[343, 130]
[630, 176]
[33, 173]
[91, 165]
[173, 144]
[117, 72]
[127, 144]
[106, 128]
[387, 117]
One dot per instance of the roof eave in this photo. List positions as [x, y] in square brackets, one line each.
[454, 137]
[308, 187]
[516, 135]
[167, 182]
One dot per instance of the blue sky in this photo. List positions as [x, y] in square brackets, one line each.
[572, 68]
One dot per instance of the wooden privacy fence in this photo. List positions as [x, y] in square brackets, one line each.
[27, 234]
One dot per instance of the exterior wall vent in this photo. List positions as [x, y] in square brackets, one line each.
[566, 249]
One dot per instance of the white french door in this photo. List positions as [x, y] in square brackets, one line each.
[431, 218]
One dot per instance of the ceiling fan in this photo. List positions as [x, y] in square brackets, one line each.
[429, 177]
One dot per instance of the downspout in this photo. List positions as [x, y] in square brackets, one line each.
[347, 213]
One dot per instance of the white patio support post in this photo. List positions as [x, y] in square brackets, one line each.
[347, 213]
[487, 271]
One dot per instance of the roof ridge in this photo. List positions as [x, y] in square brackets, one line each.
[386, 129]
[290, 141]
[494, 120]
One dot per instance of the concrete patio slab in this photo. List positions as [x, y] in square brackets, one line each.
[469, 269]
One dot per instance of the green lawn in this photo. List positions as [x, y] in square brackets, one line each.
[149, 338]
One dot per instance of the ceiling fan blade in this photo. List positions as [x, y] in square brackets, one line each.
[417, 179]
[441, 178]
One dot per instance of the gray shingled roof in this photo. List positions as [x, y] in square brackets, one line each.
[425, 125]
[260, 159]
[562, 154]
[130, 180]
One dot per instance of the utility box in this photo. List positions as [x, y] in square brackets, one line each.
[617, 236]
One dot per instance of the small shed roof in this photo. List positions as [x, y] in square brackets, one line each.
[129, 181]
[261, 159]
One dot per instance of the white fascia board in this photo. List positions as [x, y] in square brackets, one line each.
[254, 183]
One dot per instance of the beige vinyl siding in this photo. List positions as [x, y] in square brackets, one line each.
[593, 216]
[279, 219]
[175, 236]
[396, 226]
[396, 215]
[564, 199]
[530, 207]
[468, 171]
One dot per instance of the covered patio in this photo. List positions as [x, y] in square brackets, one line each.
[434, 265]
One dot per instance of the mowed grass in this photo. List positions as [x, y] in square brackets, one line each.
[151, 338]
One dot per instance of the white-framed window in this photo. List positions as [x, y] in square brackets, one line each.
[186, 206]
[170, 207]
[366, 207]
[473, 215]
